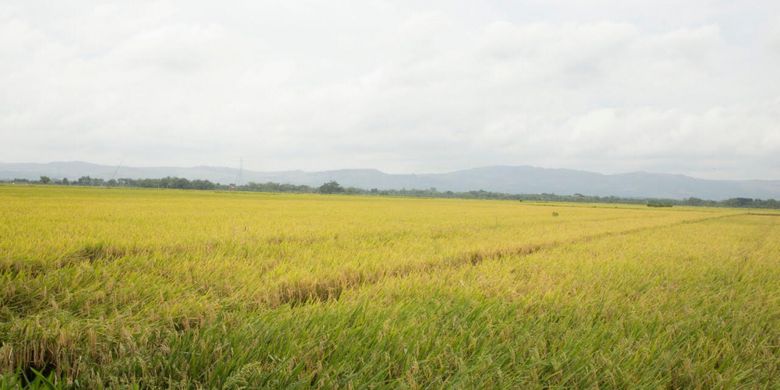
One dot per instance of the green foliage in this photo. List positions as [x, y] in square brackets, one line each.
[331, 187]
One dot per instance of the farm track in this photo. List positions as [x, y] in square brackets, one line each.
[310, 292]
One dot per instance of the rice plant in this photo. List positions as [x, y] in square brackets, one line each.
[164, 288]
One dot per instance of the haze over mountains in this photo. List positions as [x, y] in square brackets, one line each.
[507, 179]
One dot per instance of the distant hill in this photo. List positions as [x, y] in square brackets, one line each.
[508, 179]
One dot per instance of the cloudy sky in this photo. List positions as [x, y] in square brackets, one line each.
[687, 87]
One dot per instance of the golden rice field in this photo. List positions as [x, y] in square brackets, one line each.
[196, 289]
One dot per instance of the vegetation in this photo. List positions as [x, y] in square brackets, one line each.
[123, 287]
[333, 187]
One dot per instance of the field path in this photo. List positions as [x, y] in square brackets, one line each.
[331, 289]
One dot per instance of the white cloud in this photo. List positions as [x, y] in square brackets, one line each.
[398, 86]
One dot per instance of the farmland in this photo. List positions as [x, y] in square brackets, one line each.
[166, 288]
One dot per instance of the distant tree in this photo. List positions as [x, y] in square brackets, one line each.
[738, 202]
[331, 187]
[694, 201]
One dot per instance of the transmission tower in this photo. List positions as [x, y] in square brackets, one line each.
[240, 171]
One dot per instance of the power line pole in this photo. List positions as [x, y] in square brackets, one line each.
[240, 171]
[116, 170]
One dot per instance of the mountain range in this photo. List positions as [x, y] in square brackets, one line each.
[507, 179]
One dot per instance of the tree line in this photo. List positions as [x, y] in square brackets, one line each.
[333, 187]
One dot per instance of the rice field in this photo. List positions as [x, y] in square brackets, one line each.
[198, 289]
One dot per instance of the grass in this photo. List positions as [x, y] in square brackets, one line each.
[110, 287]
